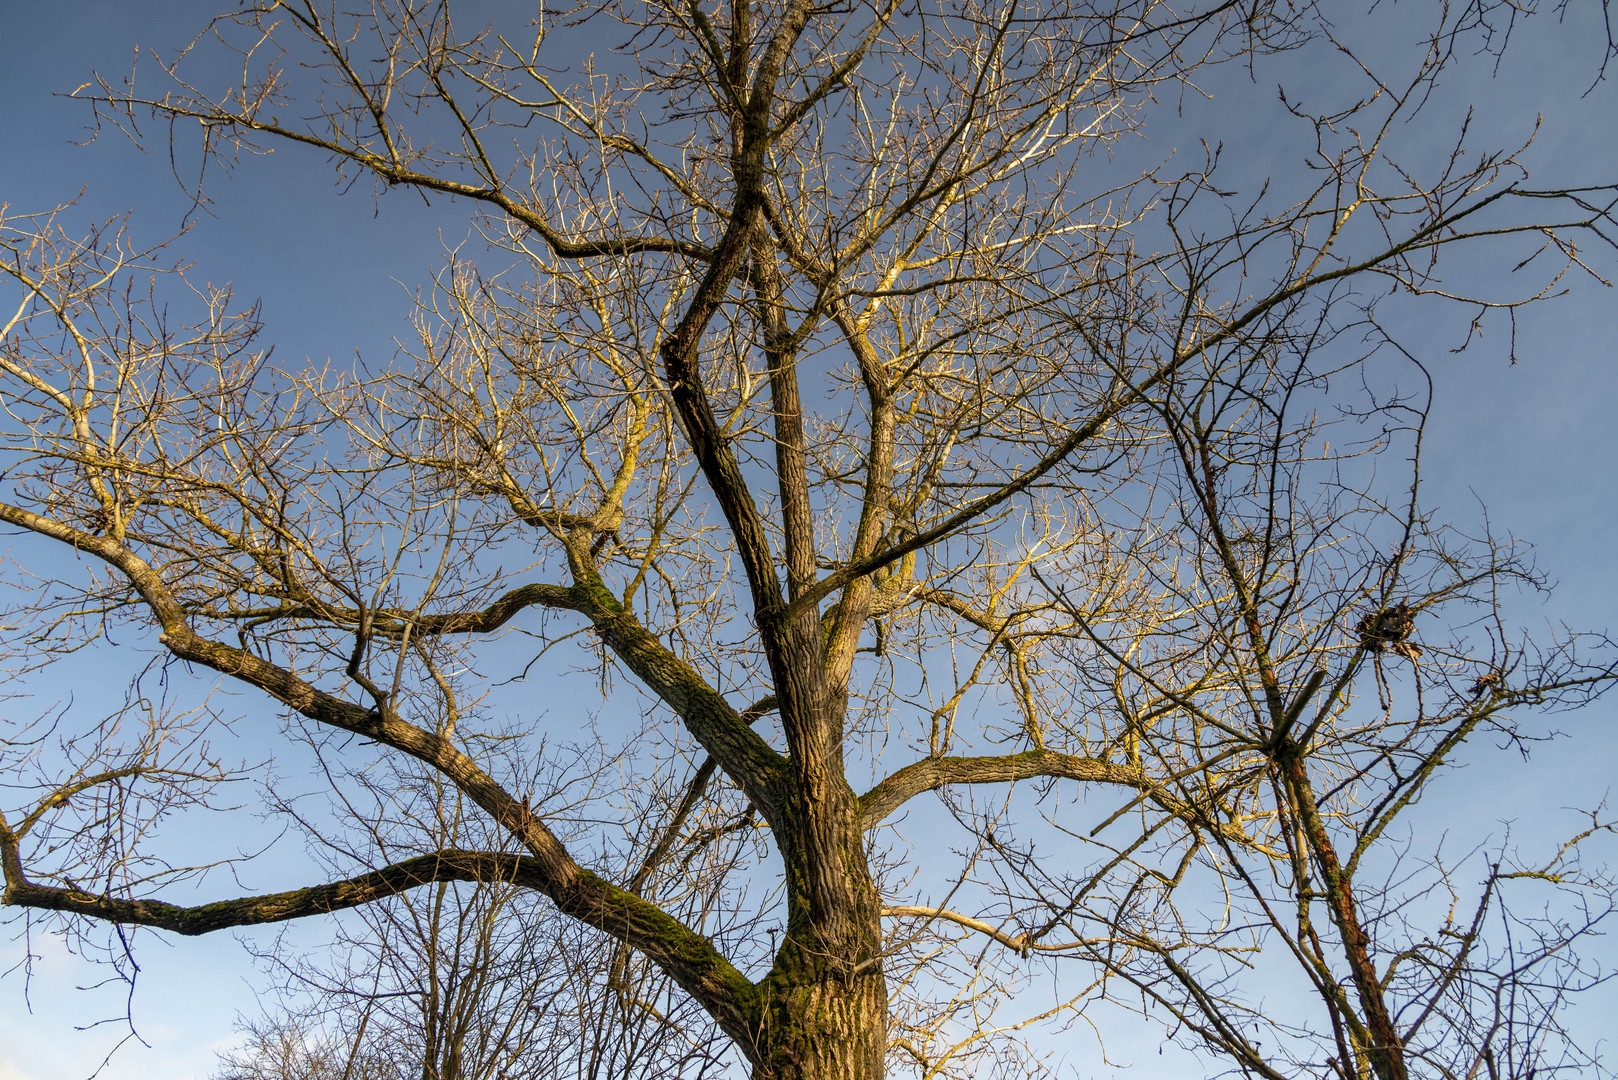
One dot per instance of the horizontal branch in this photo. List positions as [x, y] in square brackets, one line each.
[930, 774]
[690, 958]
[449, 865]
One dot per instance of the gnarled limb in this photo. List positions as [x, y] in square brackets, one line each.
[686, 955]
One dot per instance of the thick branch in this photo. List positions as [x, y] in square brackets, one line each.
[930, 774]
[744, 755]
[687, 956]
[448, 865]
[933, 773]
[680, 350]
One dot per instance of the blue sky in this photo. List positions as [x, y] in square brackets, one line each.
[335, 276]
[1535, 442]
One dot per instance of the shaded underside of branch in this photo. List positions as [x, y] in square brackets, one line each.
[447, 865]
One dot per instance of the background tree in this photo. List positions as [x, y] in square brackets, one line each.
[828, 380]
[470, 980]
[287, 1051]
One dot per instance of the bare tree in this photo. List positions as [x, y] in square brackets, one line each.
[827, 382]
[289, 1051]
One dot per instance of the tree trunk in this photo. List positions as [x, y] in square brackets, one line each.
[824, 1024]
[824, 1005]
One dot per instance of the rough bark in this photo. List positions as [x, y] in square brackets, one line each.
[826, 1025]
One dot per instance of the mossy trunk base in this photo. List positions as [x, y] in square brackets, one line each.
[833, 1028]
